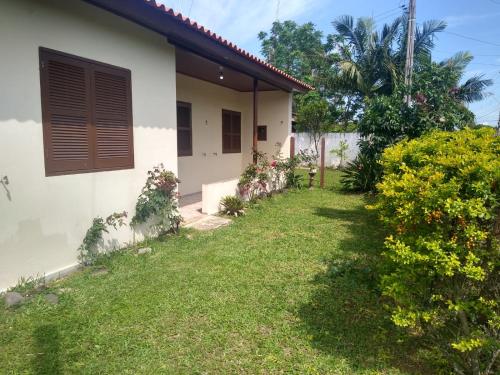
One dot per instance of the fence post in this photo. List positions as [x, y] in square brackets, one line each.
[292, 146]
[322, 166]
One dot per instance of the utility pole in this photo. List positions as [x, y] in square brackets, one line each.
[410, 46]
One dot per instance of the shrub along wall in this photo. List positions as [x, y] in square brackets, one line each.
[440, 197]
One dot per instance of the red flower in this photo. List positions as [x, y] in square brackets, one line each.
[273, 164]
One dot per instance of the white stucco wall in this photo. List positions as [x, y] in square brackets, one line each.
[275, 110]
[214, 192]
[208, 164]
[46, 218]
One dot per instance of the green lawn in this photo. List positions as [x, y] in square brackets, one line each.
[289, 288]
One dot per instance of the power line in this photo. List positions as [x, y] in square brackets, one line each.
[487, 114]
[472, 38]
[388, 13]
[473, 54]
[392, 15]
[476, 63]
[398, 8]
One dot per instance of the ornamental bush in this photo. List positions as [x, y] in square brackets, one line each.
[158, 201]
[440, 197]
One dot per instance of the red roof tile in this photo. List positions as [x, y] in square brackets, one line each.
[201, 29]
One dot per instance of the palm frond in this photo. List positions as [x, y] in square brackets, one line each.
[424, 37]
[473, 89]
[345, 27]
[458, 61]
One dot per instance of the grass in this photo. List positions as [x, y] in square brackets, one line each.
[288, 288]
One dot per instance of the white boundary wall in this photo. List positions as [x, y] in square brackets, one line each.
[332, 141]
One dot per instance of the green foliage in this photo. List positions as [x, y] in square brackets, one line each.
[361, 174]
[88, 249]
[232, 205]
[158, 201]
[372, 60]
[440, 198]
[296, 49]
[387, 119]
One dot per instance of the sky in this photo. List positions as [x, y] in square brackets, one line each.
[473, 25]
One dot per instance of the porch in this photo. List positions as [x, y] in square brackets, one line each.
[206, 92]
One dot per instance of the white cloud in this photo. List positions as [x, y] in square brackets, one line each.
[241, 20]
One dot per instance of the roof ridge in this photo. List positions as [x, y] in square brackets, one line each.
[209, 33]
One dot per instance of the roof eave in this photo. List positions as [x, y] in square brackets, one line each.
[188, 34]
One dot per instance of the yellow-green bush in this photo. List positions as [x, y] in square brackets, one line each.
[440, 197]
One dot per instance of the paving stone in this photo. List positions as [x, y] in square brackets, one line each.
[52, 298]
[209, 222]
[144, 250]
[13, 299]
[100, 271]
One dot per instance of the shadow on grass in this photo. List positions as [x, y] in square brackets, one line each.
[47, 350]
[345, 315]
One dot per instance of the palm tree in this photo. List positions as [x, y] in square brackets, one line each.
[373, 61]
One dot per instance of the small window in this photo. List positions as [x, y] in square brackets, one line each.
[231, 132]
[87, 115]
[184, 130]
[262, 133]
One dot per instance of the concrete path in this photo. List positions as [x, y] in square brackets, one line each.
[190, 209]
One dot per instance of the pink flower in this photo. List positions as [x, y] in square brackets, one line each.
[273, 164]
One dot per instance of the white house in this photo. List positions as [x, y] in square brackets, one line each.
[94, 94]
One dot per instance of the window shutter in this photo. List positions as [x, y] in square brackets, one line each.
[226, 131]
[112, 105]
[184, 130]
[231, 132]
[65, 89]
[87, 114]
[236, 132]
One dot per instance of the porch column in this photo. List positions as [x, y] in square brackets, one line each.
[255, 117]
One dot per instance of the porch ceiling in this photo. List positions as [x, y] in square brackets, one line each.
[196, 66]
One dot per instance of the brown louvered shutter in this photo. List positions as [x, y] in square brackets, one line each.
[231, 132]
[112, 118]
[184, 130]
[87, 114]
[66, 114]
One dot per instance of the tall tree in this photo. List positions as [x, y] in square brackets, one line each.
[296, 49]
[303, 51]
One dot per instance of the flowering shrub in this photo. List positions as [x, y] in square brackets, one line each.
[159, 200]
[88, 248]
[440, 196]
[264, 177]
